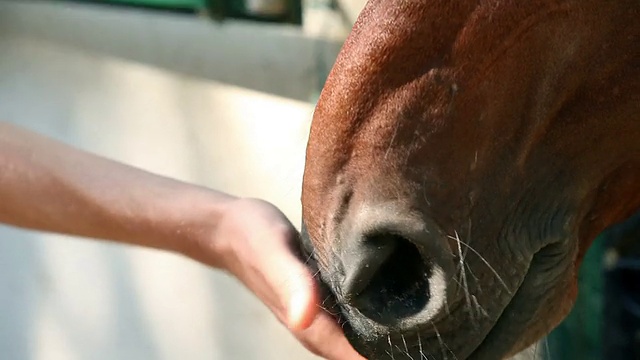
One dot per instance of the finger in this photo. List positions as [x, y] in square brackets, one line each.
[290, 280]
[325, 338]
[302, 307]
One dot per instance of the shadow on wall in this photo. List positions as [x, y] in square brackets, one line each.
[72, 299]
[277, 59]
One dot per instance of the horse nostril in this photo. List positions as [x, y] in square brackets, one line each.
[386, 278]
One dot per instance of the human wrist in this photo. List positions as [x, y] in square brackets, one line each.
[202, 211]
[225, 240]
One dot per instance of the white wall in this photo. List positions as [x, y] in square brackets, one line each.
[227, 106]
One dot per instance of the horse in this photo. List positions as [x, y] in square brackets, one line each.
[463, 156]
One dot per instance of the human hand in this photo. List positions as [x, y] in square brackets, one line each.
[257, 245]
[249, 238]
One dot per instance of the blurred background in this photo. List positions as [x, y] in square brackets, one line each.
[214, 92]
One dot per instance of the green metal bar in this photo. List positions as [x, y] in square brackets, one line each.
[216, 9]
[194, 4]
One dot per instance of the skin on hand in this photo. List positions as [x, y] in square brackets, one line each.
[258, 246]
[94, 197]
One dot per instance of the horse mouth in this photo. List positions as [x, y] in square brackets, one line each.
[507, 336]
[498, 333]
[414, 345]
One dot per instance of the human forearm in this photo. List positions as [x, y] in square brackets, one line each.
[49, 186]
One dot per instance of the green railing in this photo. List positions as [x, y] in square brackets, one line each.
[273, 11]
[194, 4]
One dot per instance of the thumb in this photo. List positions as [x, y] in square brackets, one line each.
[293, 285]
[301, 305]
